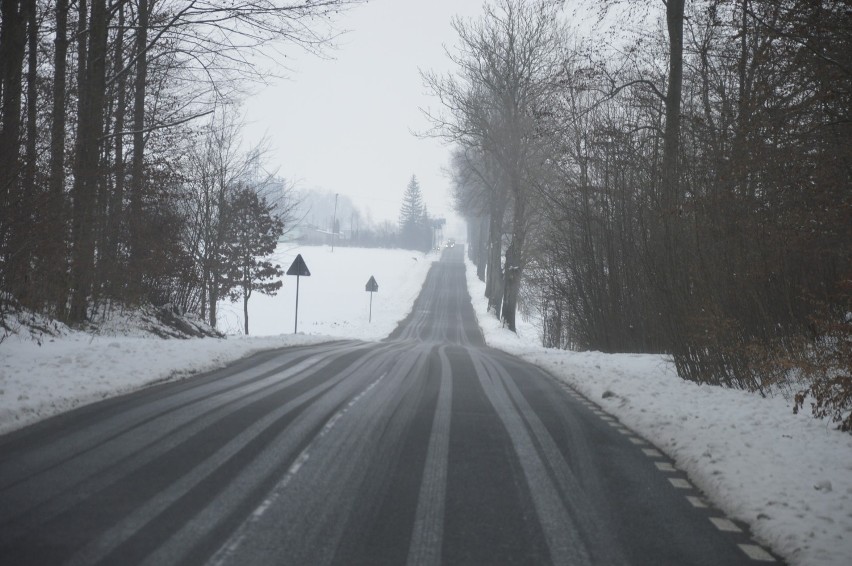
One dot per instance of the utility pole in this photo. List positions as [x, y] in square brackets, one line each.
[334, 222]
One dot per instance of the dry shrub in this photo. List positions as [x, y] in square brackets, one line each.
[717, 351]
[828, 367]
[810, 363]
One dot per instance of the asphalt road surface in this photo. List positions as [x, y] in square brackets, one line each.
[427, 448]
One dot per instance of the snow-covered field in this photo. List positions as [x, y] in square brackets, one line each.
[332, 301]
[59, 374]
[788, 476]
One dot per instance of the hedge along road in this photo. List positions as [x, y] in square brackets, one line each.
[427, 448]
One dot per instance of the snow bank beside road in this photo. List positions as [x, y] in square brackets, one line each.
[38, 381]
[788, 476]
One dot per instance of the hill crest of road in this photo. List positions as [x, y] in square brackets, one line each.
[442, 313]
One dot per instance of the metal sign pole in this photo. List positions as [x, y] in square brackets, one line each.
[296, 326]
[371, 287]
[298, 268]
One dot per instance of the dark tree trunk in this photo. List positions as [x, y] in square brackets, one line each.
[78, 223]
[27, 240]
[514, 257]
[32, 107]
[246, 295]
[671, 136]
[137, 164]
[671, 285]
[116, 199]
[214, 298]
[56, 259]
[494, 272]
[13, 42]
[86, 169]
[482, 248]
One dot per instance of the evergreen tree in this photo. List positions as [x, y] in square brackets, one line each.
[413, 229]
[252, 234]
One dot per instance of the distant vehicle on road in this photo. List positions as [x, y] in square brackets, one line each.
[451, 243]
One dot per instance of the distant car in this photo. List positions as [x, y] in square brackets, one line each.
[451, 243]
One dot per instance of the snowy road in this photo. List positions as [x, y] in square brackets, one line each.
[428, 448]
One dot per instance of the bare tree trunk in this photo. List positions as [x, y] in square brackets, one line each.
[671, 285]
[214, 298]
[205, 286]
[246, 295]
[86, 168]
[482, 248]
[514, 257]
[56, 259]
[671, 136]
[28, 183]
[494, 278]
[137, 164]
[116, 198]
[24, 239]
[13, 42]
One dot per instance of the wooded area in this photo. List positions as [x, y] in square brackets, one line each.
[122, 180]
[684, 189]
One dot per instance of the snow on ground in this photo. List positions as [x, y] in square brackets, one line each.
[332, 301]
[788, 476]
[46, 376]
[37, 382]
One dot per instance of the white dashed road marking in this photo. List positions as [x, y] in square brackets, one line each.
[680, 483]
[753, 551]
[696, 502]
[756, 553]
[725, 525]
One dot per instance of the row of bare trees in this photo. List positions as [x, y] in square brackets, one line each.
[507, 65]
[108, 108]
[688, 192]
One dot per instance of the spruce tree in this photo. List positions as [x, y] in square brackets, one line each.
[411, 217]
[252, 232]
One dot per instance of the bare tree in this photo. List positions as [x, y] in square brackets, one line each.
[481, 191]
[506, 63]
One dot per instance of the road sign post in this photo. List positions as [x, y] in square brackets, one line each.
[299, 269]
[296, 319]
[372, 287]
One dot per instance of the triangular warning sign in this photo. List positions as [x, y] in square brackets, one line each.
[299, 267]
[372, 286]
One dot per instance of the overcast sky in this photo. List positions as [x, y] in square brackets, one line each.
[345, 124]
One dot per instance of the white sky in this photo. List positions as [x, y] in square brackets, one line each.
[345, 124]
